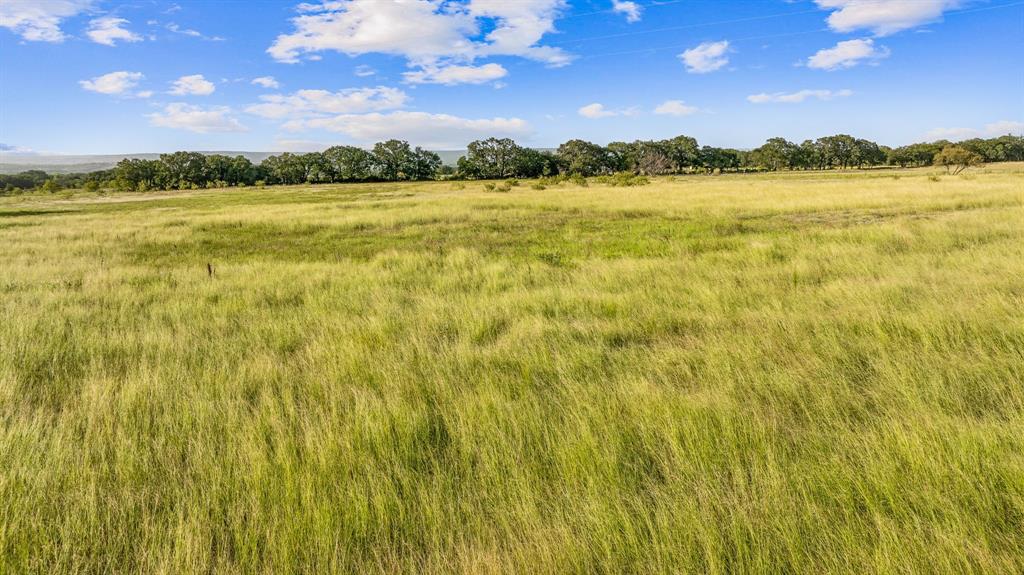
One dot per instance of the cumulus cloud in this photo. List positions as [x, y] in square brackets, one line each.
[797, 97]
[181, 116]
[993, 130]
[421, 128]
[428, 33]
[114, 83]
[39, 20]
[109, 30]
[363, 71]
[596, 110]
[455, 74]
[631, 10]
[675, 108]
[847, 54]
[195, 85]
[314, 103]
[266, 82]
[706, 57]
[884, 17]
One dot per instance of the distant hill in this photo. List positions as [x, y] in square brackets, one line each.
[12, 163]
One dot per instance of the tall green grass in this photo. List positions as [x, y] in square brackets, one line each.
[738, 374]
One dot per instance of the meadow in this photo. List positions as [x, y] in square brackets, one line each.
[801, 372]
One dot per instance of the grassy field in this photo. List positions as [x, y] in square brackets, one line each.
[784, 373]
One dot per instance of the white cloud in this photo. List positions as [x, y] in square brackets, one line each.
[884, 17]
[595, 110]
[363, 71]
[39, 20]
[451, 75]
[144, 94]
[266, 82]
[675, 108]
[182, 116]
[706, 57]
[193, 33]
[184, 31]
[421, 128]
[299, 146]
[109, 30]
[195, 85]
[797, 97]
[425, 32]
[993, 130]
[847, 54]
[631, 10]
[114, 83]
[315, 103]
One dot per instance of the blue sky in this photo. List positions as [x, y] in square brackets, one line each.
[81, 76]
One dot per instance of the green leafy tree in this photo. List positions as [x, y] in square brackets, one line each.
[392, 159]
[348, 164]
[492, 158]
[423, 164]
[583, 158]
[182, 170]
[957, 159]
[286, 168]
[682, 151]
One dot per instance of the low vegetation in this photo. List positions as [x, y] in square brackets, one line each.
[814, 372]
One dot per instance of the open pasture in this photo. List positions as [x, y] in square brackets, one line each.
[796, 372]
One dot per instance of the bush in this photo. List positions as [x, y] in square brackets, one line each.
[92, 186]
[458, 186]
[552, 180]
[512, 183]
[578, 180]
[538, 186]
[489, 187]
[623, 179]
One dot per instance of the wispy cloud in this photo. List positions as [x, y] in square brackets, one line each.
[108, 31]
[798, 97]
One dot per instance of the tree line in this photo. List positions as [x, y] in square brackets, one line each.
[500, 158]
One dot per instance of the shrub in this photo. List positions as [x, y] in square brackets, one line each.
[511, 183]
[489, 187]
[458, 186]
[623, 179]
[538, 186]
[552, 180]
[578, 180]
